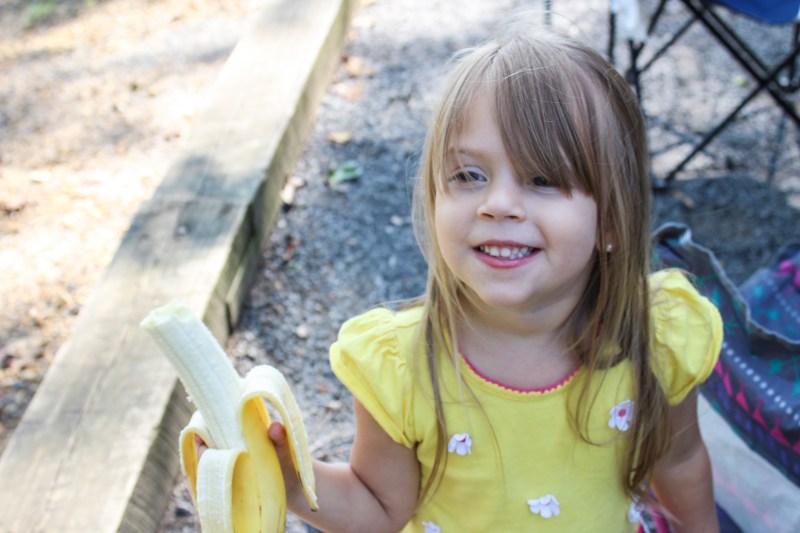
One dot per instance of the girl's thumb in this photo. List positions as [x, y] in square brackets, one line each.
[277, 434]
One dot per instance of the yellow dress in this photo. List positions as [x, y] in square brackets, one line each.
[514, 463]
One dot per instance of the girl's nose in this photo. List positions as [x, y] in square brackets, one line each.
[503, 200]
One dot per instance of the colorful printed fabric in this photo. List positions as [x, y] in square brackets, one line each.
[756, 383]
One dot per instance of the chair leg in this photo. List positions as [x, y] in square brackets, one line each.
[633, 74]
[708, 137]
[746, 57]
[635, 70]
[792, 83]
[612, 37]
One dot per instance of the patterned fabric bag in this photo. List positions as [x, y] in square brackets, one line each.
[756, 384]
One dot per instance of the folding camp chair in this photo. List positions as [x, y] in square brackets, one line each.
[779, 79]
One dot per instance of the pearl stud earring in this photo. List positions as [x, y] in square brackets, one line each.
[609, 247]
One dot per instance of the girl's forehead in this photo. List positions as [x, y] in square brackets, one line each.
[476, 108]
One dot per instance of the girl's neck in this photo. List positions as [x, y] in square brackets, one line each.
[541, 325]
[524, 352]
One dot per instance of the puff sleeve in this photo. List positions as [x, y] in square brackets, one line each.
[368, 360]
[687, 334]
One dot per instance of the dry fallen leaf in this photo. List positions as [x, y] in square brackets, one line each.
[340, 137]
[351, 90]
[40, 176]
[685, 199]
[13, 205]
[290, 188]
[363, 22]
[355, 67]
[292, 243]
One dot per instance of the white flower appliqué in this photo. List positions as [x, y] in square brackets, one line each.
[460, 443]
[621, 416]
[431, 527]
[546, 506]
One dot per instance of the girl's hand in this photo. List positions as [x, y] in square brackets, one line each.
[277, 434]
[376, 492]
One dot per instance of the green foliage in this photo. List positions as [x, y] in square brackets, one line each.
[348, 171]
[38, 10]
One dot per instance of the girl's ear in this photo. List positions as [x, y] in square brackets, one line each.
[608, 239]
[606, 226]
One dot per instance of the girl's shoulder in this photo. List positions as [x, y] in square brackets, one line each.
[687, 333]
[372, 357]
[376, 346]
[674, 301]
[380, 329]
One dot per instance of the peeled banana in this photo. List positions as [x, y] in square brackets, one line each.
[237, 483]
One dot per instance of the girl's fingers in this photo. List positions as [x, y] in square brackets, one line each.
[277, 434]
[201, 446]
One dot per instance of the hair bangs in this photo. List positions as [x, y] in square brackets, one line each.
[530, 112]
[468, 81]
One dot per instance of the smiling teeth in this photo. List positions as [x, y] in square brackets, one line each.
[507, 252]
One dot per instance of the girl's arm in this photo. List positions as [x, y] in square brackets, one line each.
[682, 479]
[376, 491]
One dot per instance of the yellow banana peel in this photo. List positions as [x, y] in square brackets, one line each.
[237, 484]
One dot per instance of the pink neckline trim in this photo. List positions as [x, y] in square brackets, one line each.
[517, 389]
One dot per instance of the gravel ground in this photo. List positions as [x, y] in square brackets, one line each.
[339, 249]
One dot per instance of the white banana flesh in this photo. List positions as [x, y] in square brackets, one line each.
[237, 483]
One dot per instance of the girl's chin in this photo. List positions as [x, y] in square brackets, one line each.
[498, 302]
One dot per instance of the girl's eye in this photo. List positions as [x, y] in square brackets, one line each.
[541, 181]
[467, 176]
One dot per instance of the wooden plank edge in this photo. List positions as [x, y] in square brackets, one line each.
[160, 468]
[149, 496]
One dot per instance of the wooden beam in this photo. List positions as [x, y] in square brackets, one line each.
[97, 448]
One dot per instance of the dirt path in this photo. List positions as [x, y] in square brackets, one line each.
[95, 98]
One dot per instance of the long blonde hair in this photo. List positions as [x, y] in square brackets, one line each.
[565, 112]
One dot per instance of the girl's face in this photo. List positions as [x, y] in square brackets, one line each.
[515, 242]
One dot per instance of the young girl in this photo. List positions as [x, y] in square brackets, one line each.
[545, 381]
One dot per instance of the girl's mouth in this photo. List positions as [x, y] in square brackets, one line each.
[506, 252]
